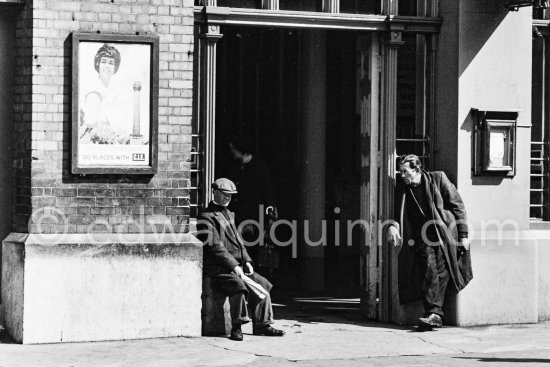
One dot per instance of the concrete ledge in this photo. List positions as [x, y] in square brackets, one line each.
[81, 290]
[544, 278]
[505, 285]
[510, 282]
[216, 316]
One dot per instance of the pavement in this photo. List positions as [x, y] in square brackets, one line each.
[319, 332]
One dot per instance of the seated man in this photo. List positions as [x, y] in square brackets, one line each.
[228, 263]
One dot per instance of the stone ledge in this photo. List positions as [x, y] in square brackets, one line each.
[106, 244]
[107, 290]
[103, 238]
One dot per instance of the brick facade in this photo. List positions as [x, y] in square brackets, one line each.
[42, 144]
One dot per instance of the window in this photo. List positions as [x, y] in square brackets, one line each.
[240, 3]
[540, 149]
[301, 5]
[406, 7]
[360, 7]
[413, 125]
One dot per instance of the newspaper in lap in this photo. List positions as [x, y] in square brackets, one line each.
[255, 287]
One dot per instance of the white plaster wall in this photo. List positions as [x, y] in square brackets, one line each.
[489, 49]
[76, 299]
[497, 76]
[504, 287]
[544, 277]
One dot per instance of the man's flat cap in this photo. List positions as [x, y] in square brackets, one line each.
[225, 185]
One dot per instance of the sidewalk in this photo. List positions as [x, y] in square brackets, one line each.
[337, 337]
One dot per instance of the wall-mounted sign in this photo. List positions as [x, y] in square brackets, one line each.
[114, 104]
[495, 142]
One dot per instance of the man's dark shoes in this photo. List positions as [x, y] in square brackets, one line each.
[429, 322]
[236, 334]
[267, 331]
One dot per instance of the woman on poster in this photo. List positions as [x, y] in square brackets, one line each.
[104, 116]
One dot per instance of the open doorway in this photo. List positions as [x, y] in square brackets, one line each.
[259, 90]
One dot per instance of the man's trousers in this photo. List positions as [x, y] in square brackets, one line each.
[437, 279]
[260, 309]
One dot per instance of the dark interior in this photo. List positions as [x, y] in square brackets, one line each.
[258, 88]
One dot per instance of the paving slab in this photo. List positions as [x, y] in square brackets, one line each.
[312, 341]
[332, 342]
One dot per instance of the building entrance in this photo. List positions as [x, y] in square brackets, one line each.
[298, 99]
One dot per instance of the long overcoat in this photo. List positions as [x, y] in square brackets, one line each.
[224, 249]
[448, 213]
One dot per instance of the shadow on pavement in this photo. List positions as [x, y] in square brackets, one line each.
[4, 337]
[507, 360]
[325, 309]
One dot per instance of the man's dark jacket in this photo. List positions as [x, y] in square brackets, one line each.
[224, 249]
[446, 209]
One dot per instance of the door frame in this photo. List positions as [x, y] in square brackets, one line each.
[376, 197]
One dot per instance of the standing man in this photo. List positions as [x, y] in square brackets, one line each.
[256, 200]
[228, 263]
[432, 227]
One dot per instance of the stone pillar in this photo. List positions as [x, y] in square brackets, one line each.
[90, 256]
[208, 40]
[312, 181]
[215, 308]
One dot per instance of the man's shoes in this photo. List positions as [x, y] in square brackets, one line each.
[267, 331]
[236, 333]
[429, 322]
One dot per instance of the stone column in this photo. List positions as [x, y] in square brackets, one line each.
[208, 40]
[312, 180]
[215, 315]
[117, 274]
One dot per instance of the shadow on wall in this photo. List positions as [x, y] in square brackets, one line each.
[480, 19]
[7, 72]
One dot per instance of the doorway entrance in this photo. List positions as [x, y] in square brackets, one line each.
[302, 98]
[313, 111]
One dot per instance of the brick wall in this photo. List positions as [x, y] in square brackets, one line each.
[65, 202]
